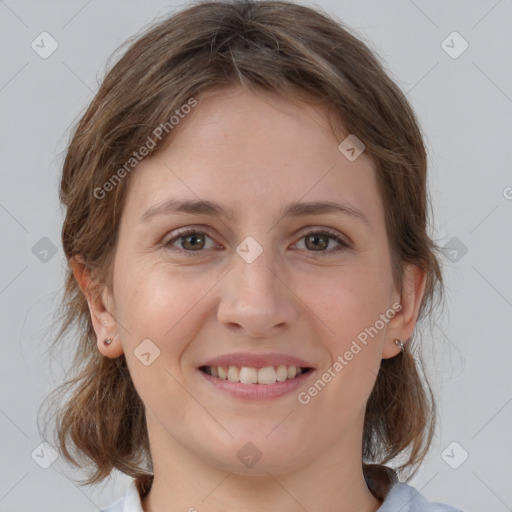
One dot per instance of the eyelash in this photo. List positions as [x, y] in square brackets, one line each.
[343, 244]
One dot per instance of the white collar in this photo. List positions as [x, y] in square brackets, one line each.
[400, 495]
[132, 502]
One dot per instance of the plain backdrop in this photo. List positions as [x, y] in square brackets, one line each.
[463, 99]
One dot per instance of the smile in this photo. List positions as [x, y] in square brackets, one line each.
[251, 383]
[250, 375]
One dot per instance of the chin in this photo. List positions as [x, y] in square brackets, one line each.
[259, 456]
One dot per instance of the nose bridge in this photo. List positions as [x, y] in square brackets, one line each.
[254, 298]
[257, 277]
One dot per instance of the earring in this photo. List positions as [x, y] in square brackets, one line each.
[400, 344]
[108, 341]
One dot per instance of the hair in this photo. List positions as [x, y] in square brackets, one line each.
[273, 46]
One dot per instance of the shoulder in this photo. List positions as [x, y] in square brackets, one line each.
[405, 498]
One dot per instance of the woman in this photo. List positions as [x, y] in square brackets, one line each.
[246, 232]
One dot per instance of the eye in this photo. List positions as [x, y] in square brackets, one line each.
[316, 240]
[190, 240]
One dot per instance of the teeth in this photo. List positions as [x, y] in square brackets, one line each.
[281, 373]
[266, 375]
[233, 374]
[248, 375]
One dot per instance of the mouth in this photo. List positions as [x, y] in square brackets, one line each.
[265, 376]
[255, 376]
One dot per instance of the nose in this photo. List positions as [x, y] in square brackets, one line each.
[257, 299]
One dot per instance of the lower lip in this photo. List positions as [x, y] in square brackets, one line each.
[257, 391]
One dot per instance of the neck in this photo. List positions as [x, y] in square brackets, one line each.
[333, 482]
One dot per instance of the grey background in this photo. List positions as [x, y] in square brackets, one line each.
[464, 105]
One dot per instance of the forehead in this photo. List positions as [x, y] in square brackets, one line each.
[247, 150]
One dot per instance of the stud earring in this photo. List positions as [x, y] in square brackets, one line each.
[400, 344]
[108, 341]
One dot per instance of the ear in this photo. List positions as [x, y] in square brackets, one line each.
[401, 326]
[98, 299]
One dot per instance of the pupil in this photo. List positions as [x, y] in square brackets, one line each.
[193, 239]
[316, 238]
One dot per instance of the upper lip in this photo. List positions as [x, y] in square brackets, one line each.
[252, 360]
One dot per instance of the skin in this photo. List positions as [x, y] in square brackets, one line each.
[253, 153]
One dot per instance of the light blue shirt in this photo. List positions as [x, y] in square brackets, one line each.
[400, 498]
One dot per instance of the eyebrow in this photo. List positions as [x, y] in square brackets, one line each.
[295, 209]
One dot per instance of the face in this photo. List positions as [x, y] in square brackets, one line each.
[228, 255]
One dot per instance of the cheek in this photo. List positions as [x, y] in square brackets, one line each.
[158, 304]
[353, 304]
[351, 299]
[161, 303]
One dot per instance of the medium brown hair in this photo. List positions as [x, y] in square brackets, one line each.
[271, 46]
